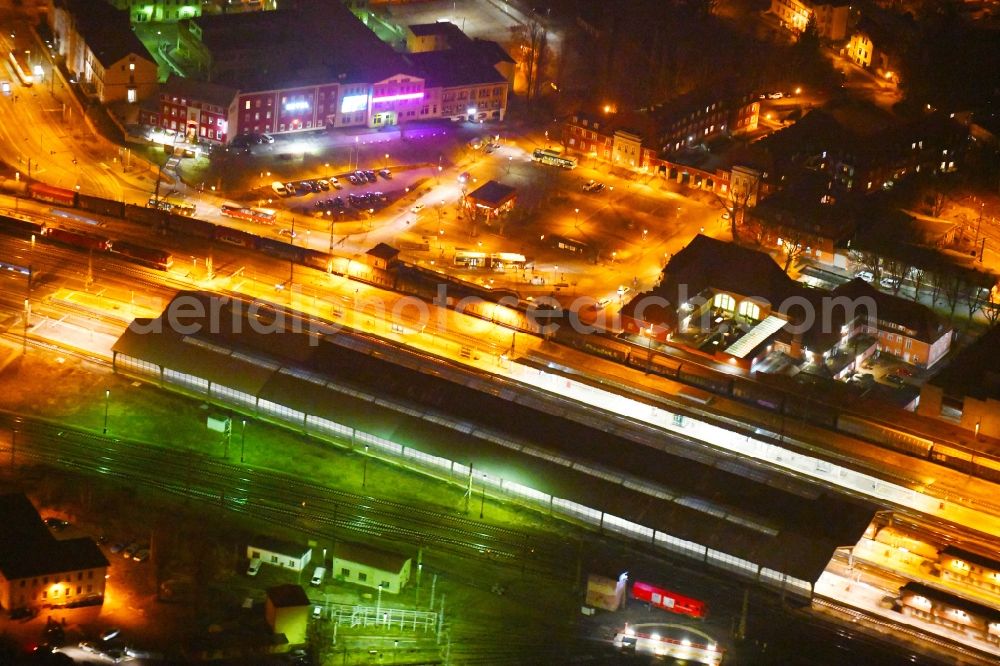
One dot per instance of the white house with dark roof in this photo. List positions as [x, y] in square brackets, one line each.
[371, 567]
[36, 569]
[278, 553]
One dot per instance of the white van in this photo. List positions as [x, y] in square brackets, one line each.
[280, 189]
[318, 575]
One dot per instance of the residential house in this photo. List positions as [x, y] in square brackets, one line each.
[861, 148]
[880, 40]
[101, 51]
[831, 16]
[37, 569]
[370, 567]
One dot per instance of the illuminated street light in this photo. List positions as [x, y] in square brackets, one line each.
[364, 474]
[576, 224]
[482, 505]
[107, 398]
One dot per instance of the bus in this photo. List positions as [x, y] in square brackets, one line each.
[172, 206]
[259, 215]
[546, 156]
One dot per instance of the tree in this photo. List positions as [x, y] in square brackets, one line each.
[917, 275]
[793, 246]
[735, 204]
[870, 260]
[896, 269]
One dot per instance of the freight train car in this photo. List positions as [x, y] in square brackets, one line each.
[55, 195]
[15, 226]
[160, 259]
[77, 239]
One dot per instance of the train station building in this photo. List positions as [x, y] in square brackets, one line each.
[363, 393]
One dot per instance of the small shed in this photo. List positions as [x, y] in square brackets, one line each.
[285, 554]
[382, 256]
[490, 200]
[371, 567]
[287, 612]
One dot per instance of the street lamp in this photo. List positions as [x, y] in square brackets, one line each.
[576, 224]
[387, 160]
[243, 439]
[107, 398]
[482, 504]
[510, 160]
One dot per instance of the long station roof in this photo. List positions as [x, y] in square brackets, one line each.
[350, 379]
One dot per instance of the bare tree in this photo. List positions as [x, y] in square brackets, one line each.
[896, 270]
[918, 276]
[736, 205]
[952, 286]
[870, 260]
[991, 311]
[793, 246]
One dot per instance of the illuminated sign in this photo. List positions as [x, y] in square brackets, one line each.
[397, 98]
[353, 103]
[297, 106]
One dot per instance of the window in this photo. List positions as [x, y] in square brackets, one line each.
[274, 559]
[291, 563]
[362, 577]
[132, 96]
[725, 301]
[384, 584]
[131, 67]
[247, 104]
[346, 573]
[750, 310]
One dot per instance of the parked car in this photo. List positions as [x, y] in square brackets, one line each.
[323, 185]
[5, 87]
[895, 379]
[370, 175]
[317, 612]
[254, 568]
[56, 524]
[109, 633]
[141, 555]
[319, 575]
[280, 189]
[287, 232]
[117, 547]
[417, 208]
[266, 138]
[865, 275]
[334, 183]
[130, 549]
[385, 173]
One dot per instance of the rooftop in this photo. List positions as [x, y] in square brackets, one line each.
[212, 93]
[287, 596]
[340, 376]
[974, 371]
[279, 546]
[342, 48]
[106, 31]
[492, 193]
[372, 557]
[467, 65]
[28, 549]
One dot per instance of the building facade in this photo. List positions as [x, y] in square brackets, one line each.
[144, 11]
[37, 570]
[101, 51]
[279, 553]
[370, 567]
[831, 17]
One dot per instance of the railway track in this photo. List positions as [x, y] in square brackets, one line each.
[281, 498]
